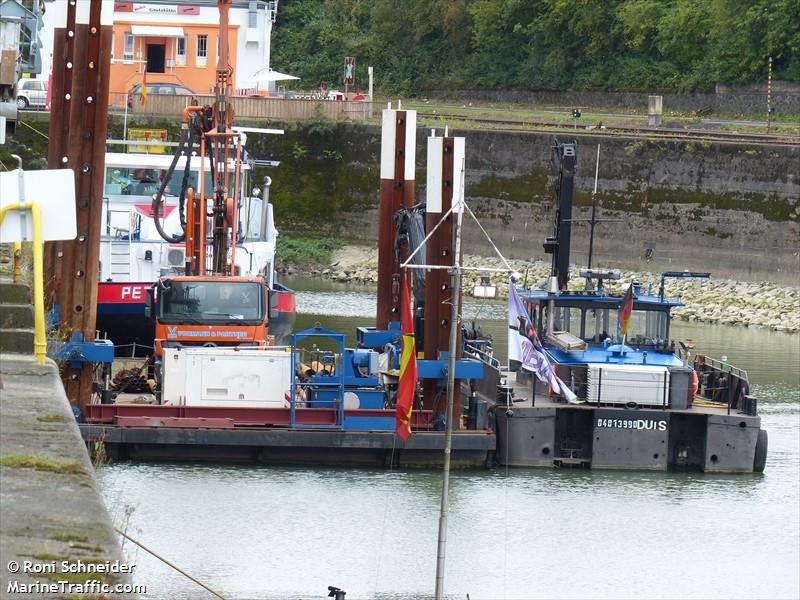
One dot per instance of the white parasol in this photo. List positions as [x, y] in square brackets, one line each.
[268, 75]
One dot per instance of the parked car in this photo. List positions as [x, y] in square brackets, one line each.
[31, 93]
[169, 89]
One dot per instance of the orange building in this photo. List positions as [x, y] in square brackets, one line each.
[171, 53]
[177, 43]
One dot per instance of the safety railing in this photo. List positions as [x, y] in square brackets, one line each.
[481, 355]
[722, 383]
[314, 392]
[39, 337]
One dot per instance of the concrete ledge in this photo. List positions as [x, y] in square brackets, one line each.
[14, 293]
[51, 508]
[16, 341]
[16, 315]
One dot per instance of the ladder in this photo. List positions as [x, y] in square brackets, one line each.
[119, 246]
[120, 257]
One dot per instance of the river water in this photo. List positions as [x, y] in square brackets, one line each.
[288, 533]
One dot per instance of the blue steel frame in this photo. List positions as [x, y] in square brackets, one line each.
[78, 351]
[338, 385]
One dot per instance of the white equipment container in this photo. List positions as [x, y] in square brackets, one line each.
[644, 385]
[226, 377]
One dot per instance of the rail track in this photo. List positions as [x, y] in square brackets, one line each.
[647, 133]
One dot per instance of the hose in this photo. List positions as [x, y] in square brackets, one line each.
[172, 239]
[198, 124]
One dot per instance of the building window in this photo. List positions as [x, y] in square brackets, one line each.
[202, 50]
[180, 51]
[127, 51]
[113, 44]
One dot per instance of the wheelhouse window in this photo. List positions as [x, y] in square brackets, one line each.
[599, 324]
[565, 318]
[210, 302]
[127, 50]
[136, 181]
[645, 326]
[202, 50]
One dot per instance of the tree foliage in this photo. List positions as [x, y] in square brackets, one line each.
[652, 45]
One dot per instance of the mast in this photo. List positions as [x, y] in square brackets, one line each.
[455, 273]
[593, 220]
[565, 157]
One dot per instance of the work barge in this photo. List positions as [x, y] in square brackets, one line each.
[315, 401]
[221, 392]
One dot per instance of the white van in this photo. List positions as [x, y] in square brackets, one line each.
[31, 93]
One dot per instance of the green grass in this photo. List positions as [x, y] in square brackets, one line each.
[431, 111]
[70, 537]
[306, 250]
[40, 463]
[95, 549]
[51, 419]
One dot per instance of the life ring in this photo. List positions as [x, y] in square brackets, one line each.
[695, 385]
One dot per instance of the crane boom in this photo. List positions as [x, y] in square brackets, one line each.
[212, 128]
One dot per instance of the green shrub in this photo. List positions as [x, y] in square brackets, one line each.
[306, 250]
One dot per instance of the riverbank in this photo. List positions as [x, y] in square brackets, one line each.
[721, 301]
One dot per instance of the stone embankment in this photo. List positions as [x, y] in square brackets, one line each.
[56, 538]
[722, 301]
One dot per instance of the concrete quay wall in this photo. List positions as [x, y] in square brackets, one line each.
[51, 510]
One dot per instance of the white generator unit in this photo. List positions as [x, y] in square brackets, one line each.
[226, 377]
[643, 385]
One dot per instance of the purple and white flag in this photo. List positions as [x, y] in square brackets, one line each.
[525, 348]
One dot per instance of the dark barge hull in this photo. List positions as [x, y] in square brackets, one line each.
[548, 433]
[473, 449]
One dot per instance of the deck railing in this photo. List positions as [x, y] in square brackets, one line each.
[481, 355]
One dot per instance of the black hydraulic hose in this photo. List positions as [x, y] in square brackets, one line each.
[185, 183]
[160, 194]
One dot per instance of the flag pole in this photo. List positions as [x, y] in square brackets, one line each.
[451, 394]
[125, 121]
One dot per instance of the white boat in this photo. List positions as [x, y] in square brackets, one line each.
[133, 254]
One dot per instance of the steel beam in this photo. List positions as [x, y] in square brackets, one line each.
[398, 142]
[78, 126]
[438, 287]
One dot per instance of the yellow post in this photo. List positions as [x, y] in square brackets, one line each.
[16, 260]
[39, 339]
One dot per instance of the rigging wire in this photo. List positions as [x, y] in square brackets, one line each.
[385, 515]
[168, 563]
[34, 128]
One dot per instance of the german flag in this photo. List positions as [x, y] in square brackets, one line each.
[625, 310]
[407, 385]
